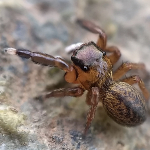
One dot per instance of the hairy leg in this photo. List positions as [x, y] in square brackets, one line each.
[102, 40]
[136, 79]
[114, 57]
[125, 67]
[40, 58]
[92, 100]
[96, 30]
[75, 92]
[46, 60]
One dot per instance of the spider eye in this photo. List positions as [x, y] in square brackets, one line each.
[85, 68]
[104, 53]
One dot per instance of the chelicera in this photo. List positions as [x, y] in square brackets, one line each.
[91, 70]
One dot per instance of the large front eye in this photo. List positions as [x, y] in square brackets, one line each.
[104, 53]
[85, 68]
[79, 63]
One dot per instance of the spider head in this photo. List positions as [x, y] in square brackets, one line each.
[87, 56]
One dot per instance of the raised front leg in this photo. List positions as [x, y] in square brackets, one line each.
[94, 29]
[46, 60]
[40, 58]
[92, 100]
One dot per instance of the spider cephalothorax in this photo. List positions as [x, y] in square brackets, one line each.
[87, 55]
[91, 70]
[92, 62]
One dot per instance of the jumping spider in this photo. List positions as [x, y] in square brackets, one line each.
[91, 70]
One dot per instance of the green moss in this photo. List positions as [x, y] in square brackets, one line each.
[10, 120]
[10, 124]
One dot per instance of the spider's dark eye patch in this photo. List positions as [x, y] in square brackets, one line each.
[79, 63]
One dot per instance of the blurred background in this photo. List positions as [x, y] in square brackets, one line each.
[49, 26]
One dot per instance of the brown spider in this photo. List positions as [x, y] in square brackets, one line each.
[91, 70]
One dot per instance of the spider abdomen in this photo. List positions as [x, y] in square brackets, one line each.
[124, 104]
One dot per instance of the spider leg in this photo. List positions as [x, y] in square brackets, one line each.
[114, 57]
[125, 67]
[69, 49]
[75, 92]
[46, 60]
[96, 30]
[92, 100]
[102, 40]
[136, 79]
[40, 58]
